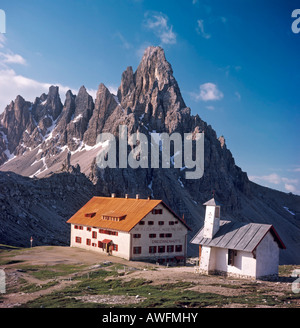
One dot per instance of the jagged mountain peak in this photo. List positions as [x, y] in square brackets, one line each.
[151, 90]
[154, 57]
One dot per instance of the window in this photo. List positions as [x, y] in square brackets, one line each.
[161, 223]
[90, 215]
[117, 218]
[161, 249]
[89, 229]
[150, 222]
[178, 248]
[170, 248]
[217, 212]
[80, 227]
[152, 235]
[78, 240]
[157, 211]
[100, 244]
[231, 254]
[142, 223]
[76, 227]
[115, 247]
[171, 222]
[94, 244]
[94, 234]
[152, 249]
[88, 242]
[165, 235]
[108, 232]
[137, 235]
[137, 250]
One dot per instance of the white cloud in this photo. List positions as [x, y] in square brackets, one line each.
[11, 58]
[12, 84]
[208, 92]
[297, 169]
[286, 180]
[290, 187]
[288, 184]
[200, 29]
[271, 178]
[158, 23]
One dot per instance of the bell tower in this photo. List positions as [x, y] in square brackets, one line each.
[212, 218]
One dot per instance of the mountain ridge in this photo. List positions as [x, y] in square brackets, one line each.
[36, 140]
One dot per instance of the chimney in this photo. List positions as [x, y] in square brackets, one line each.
[149, 197]
[137, 196]
[126, 196]
[212, 218]
[113, 195]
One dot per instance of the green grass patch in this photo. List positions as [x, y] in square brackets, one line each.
[51, 272]
[31, 288]
[162, 296]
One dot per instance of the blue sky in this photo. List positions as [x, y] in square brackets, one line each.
[236, 62]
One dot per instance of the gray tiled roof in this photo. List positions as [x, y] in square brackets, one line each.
[237, 236]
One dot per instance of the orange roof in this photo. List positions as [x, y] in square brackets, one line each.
[134, 211]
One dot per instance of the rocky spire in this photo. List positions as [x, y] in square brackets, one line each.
[152, 89]
[105, 105]
[53, 102]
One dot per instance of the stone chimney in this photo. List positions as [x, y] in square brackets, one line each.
[126, 196]
[137, 196]
[212, 218]
[113, 195]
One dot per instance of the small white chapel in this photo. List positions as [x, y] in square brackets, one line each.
[234, 248]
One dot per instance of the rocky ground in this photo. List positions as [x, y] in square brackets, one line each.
[28, 280]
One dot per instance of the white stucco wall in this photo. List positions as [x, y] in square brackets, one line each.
[178, 231]
[211, 222]
[126, 242]
[205, 259]
[244, 263]
[122, 240]
[267, 255]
